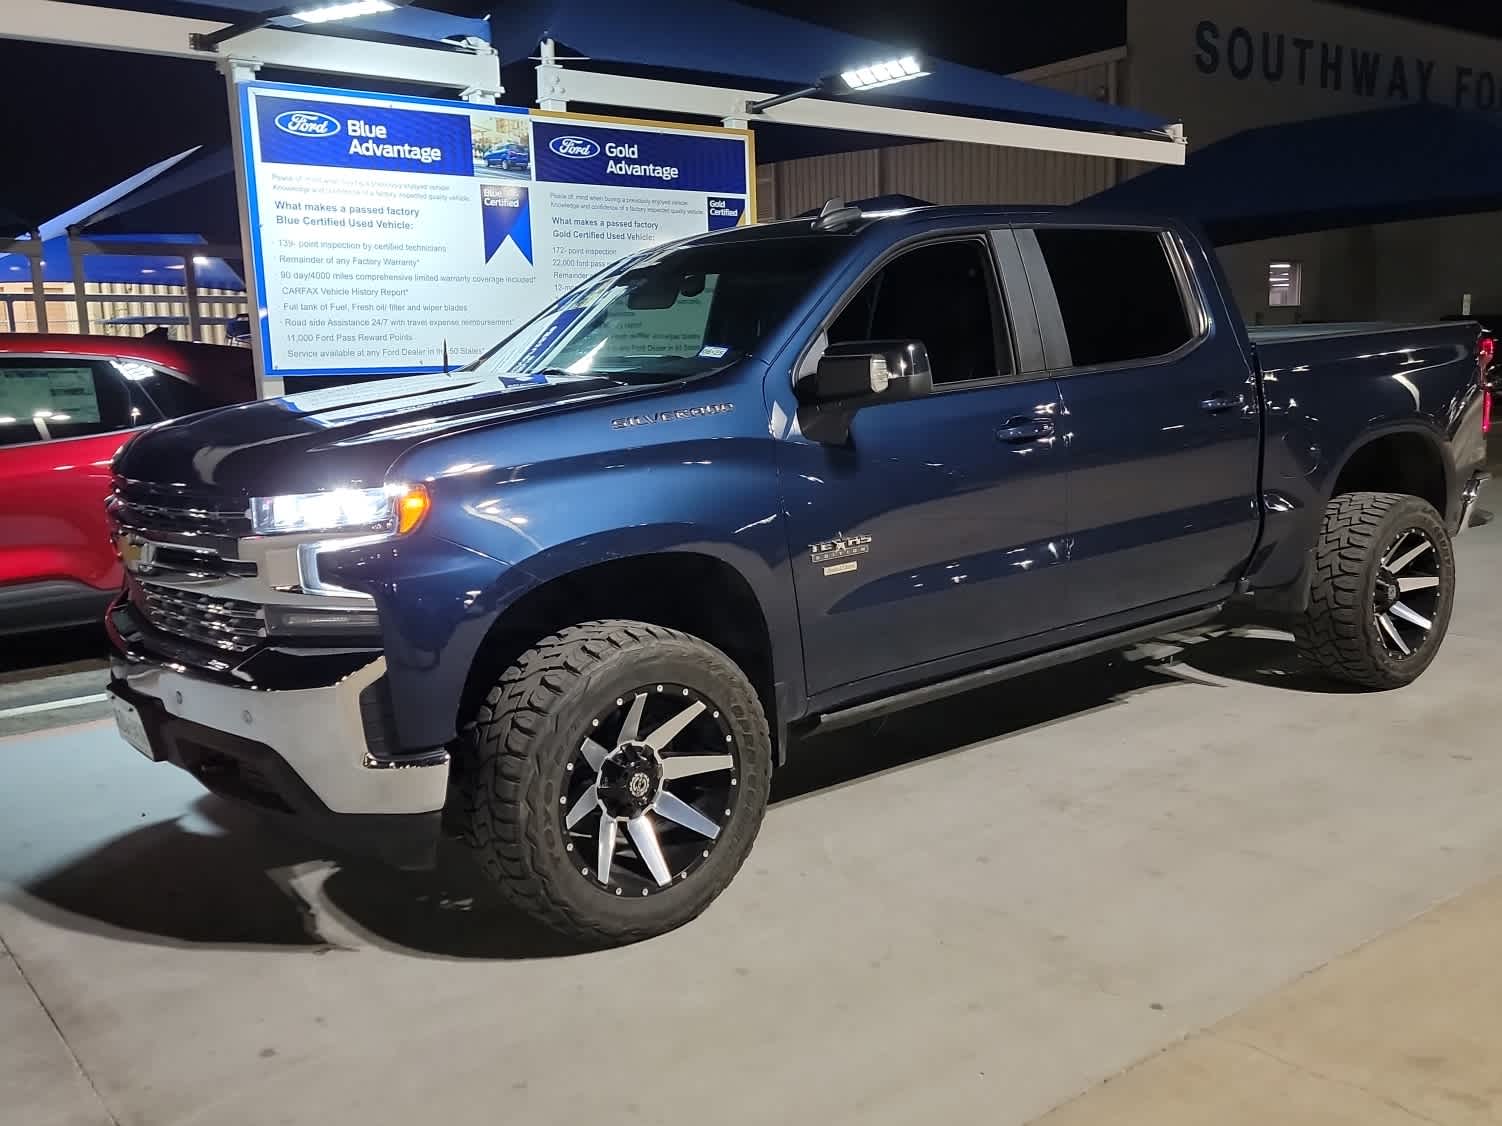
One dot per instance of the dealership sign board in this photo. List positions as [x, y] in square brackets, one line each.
[385, 231]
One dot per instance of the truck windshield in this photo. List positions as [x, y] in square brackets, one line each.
[668, 314]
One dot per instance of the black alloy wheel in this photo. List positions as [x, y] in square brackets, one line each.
[648, 789]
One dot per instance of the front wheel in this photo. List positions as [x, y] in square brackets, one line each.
[1382, 591]
[614, 779]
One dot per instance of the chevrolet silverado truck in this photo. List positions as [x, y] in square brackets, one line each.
[573, 602]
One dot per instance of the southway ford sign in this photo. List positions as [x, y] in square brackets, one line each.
[1277, 57]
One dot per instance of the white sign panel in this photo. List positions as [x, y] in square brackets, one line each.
[385, 229]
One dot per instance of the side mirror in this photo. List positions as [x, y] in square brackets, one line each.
[860, 374]
[867, 372]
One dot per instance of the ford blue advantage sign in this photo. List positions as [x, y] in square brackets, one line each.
[392, 234]
[574, 152]
[355, 136]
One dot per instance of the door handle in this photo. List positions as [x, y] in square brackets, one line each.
[1223, 403]
[1025, 430]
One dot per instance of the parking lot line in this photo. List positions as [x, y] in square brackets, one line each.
[53, 705]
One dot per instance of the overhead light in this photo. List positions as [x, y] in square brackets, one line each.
[856, 80]
[305, 13]
[328, 13]
[200, 260]
[885, 73]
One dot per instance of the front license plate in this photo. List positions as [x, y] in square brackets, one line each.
[132, 729]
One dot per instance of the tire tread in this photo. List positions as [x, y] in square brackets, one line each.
[1332, 633]
[520, 711]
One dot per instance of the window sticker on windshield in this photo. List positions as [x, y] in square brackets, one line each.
[714, 352]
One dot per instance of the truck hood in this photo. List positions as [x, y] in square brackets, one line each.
[356, 432]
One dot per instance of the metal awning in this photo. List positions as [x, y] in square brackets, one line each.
[1349, 170]
[711, 57]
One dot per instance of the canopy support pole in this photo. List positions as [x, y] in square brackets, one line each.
[550, 80]
[80, 287]
[38, 281]
[236, 72]
[190, 284]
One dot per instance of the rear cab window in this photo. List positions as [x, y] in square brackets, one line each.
[1120, 294]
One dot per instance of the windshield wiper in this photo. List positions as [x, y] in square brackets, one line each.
[628, 378]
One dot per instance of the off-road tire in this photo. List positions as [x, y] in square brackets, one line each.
[507, 793]
[1339, 632]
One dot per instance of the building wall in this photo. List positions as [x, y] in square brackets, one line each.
[1223, 66]
[948, 172]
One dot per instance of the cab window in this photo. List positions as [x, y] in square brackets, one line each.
[943, 295]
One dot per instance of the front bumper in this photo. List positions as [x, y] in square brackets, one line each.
[315, 754]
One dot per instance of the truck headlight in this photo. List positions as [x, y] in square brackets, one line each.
[393, 508]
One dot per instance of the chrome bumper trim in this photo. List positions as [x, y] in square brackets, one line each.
[318, 732]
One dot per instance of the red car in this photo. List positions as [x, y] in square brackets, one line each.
[67, 403]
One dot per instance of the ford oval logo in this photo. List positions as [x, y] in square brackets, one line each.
[575, 148]
[307, 123]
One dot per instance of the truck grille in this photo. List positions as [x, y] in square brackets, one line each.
[151, 511]
[226, 624]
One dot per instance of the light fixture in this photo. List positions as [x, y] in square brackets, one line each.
[855, 80]
[313, 13]
[885, 73]
[328, 13]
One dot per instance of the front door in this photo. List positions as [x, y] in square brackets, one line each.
[938, 528]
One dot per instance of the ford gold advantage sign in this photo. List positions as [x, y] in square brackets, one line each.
[385, 228]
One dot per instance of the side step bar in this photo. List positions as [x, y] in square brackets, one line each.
[859, 713]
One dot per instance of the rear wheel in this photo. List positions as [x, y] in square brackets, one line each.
[1382, 592]
[615, 779]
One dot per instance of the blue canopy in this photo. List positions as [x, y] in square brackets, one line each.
[12, 224]
[1350, 170]
[402, 23]
[194, 196]
[721, 40]
[138, 269]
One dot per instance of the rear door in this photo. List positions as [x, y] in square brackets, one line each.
[938, 528]
[1161, 419]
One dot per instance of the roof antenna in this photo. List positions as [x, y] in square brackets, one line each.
[445, 355]
[836, 215]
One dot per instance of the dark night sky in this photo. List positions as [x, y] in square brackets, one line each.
[120, 112]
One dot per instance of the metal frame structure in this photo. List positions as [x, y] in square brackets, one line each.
[557, 86]
[473, 71]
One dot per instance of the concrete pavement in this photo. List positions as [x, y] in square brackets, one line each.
[984, 907]
[1403, 1030]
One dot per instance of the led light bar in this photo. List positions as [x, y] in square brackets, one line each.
[885, 73]
[328, 13]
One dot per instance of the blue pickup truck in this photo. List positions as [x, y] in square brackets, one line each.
[574, 602]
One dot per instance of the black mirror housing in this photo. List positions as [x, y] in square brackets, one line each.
[867, 372]
[860, 374]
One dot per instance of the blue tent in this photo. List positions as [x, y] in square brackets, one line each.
[86, 220]
[1350, 170]
[195, 196]
[139, 269]
[727, 43]
[402, 23]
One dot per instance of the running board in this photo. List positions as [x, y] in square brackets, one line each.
[859, 713]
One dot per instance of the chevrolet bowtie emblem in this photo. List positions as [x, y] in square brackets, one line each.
[138, 555]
